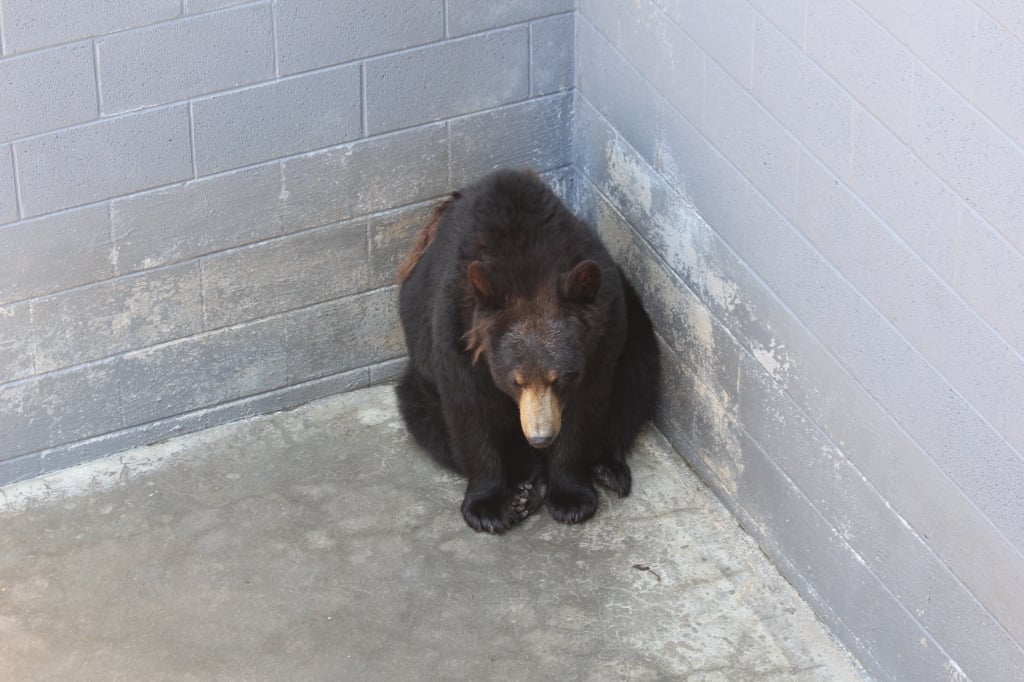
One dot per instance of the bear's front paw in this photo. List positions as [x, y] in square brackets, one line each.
[491, 513]
[529, 496]
[572, 505]
[615, 476]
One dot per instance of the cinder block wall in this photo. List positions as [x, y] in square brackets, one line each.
[821, 202]
[202, 202]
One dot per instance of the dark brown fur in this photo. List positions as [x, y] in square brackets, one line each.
[532, 364]
[424, 238]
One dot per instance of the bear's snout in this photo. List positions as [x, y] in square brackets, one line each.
[540, 415]
[540, 441]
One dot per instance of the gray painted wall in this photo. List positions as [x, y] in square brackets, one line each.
[821, 204]
[202, 202]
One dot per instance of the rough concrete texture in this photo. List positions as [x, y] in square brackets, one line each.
[320, 544]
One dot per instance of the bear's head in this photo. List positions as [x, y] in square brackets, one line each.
[535, 343]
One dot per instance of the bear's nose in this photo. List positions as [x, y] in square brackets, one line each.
[540, 441]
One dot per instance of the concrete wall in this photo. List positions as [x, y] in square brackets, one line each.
[821, 203]
[202, 202]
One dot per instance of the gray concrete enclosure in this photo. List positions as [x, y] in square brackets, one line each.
[202, 203]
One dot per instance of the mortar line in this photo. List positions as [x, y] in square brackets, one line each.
[192, 139]
[96, 79]
[444, 16]
[363, 115]
[273, 35]
[3, 43]
[529, 60]
[18, 199]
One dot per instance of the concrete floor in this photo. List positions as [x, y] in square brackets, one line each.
[319, 544]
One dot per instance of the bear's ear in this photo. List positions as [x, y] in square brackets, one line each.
[483, 288]
[581, 284]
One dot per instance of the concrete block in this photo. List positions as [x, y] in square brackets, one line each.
[199, 217]
[366, 177]
[448, 79]
[941, 33]
[204, 370]
[866, 60]
[562, 182]
[54, 253]
[699, 171]
[8, 194]
[787, 16]
[387, 372]
[342, 335]
[115, 316]
[996, 81]
[199, 6]
[178, 60]
[811, 106]
[17, 351]
[989, 274]
[285, 398]
[533, 134]
[106, 159]
[723, 29]
[471, 16]
[592, 138]
[269, 121]
[282, 274]
[391, 237]
[658, 49]
[47, 90]
[59, 408]
[615, 89]
[29, 24]
[19, 469]
[312, 34]
[1009, 13]
[905, 193]
[970, 153]
[552, 54]
[751, 139]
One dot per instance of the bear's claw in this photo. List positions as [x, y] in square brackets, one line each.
[528, 497]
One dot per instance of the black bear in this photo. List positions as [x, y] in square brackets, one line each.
[532, 363]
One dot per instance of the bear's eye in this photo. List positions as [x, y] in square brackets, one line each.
[569, 377]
